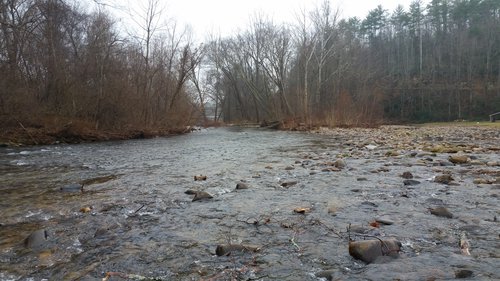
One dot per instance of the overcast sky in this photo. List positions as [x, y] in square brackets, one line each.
[228, 16]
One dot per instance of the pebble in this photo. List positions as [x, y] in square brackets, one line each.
[200, 178]
[444, 179]
[441, 212]
[384, 220]
[458, 159]
[463, 273]
[241, 185]
[411, 182]
[201, 195]
[339, 163]
[288, 183]
[407, 175]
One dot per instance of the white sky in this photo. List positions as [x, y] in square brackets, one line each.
[229, 16]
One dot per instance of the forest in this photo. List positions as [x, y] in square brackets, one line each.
[62, 63]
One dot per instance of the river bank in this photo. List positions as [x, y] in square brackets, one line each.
[19, 134]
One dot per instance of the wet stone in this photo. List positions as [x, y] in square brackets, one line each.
[463, 273]
[202, 195]
[37, 240]
[458, 159]
[411, 182]
[340, 163]
[444, 164]
[228, 249]
[288, 183]
[371, 250]
[441, 212]
[191, 192]
[200, 178]
[241, 185]
[384, 220]
[368, 204]
[407, 175]
[483, 181]
[443, 179]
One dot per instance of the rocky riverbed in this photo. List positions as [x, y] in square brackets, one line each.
[249, 204]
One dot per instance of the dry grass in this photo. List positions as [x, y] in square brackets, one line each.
[463, 124]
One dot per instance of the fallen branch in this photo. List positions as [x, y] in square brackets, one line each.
[464, 244]
[26, 130]
[293, 241]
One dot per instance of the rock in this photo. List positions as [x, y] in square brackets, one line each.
[492, 163]
[392, 153]
[241, 185]
[384, 220]
[444, 163]
[191, 192]
[288, 183]
[463, 273]
[200, 178]
[411, 182]
[441, 212]
[289, 168]
[36, 240]
[87, 209]
[227, 249]
[458, 159]
[369, 204]
[407, 175]
[202, 195]
[482, 181]
[302, 210]
[369, 250]
[340, 163]
[72, 187]
[362, 179]
[444, 179]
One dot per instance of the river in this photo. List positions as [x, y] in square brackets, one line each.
[134, 217]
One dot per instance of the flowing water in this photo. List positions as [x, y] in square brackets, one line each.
[137, 219]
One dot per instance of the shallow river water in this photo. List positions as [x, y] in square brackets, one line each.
[133, 218]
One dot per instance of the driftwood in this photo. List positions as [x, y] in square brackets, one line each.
[493, 117]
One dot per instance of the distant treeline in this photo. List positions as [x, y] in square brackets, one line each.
[433, 62]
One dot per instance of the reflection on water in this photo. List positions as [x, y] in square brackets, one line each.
[140, 221]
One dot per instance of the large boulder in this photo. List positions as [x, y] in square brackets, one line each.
[37, 240]
[371, 250]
